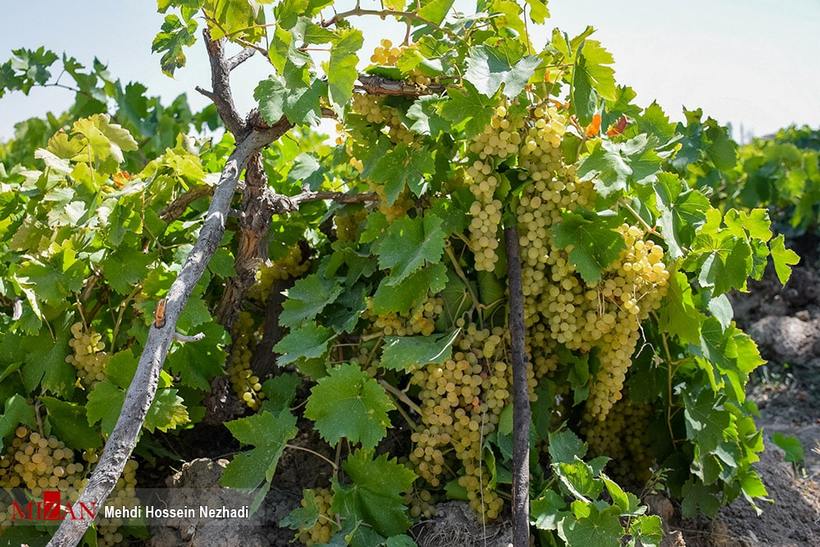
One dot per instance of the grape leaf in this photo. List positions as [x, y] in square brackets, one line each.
[172, 40]
[435, 10]
[612, 166]
[197, 364]
[595, 243]
[679, 315]
[699, 498]
[341, 70]
[564, 446]
[598, 529]
[105, 401]
[410, 352]
[467, 109]
[69, 422]
[646, 530]
[167, 411]
[124, 266]
[305, 342]
[488, 68]
[268, 433]
[538, 11]
[548, 510]
[681, 212]
[409, 244]
[303, 517]
[45, 363]
[307, 298]
[375, 494]
[402, 166]
[706, 419]
[791, 446]
[410, 292]
[299, 101]
[727, 266]
[280, 391]
[592, 71]
[16, 411]
[349, 403]
[426, 116]
[782, 258]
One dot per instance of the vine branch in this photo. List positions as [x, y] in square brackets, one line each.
[408, 15]
[521, 400]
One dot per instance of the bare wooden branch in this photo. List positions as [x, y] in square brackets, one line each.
[143, 386]
[521, 396]
[175, 209]
[221, 88]
[240, 58]
[185, 338]
[338, 197]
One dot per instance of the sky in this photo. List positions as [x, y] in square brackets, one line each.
[752, 63]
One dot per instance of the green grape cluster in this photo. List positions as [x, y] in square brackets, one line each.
[124, 495]
[245, 384]
[635, 287]
[38, 462]
[289, 266]
[486, 214]
[386, 54]
[624, 437]
[560, 308]
[348, 224]
[421, 504]
[461, 401]
[373, 109]
[321, 532]
[420, 320]
[88, 356]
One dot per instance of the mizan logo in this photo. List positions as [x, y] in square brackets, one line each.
[52, 508]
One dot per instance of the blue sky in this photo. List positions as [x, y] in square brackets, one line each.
[749, 62]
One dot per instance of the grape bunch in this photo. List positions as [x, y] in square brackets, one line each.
[88, 356]
[321, 532]
[124, 495]
[385, 54]
[461, 401]
[420, 320]
[624, 437]
[245, 384]
[289, 266]
[38, 462]
[348, 224]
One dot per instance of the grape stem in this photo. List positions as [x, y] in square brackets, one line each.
[400, 395]
[462, 276]
[183, 338]
[638, 217]
[521, 402]
[309, 451]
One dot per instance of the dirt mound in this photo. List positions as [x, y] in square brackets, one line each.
[197, 484]
[456, 524]
[788, 339]
[793, 518]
